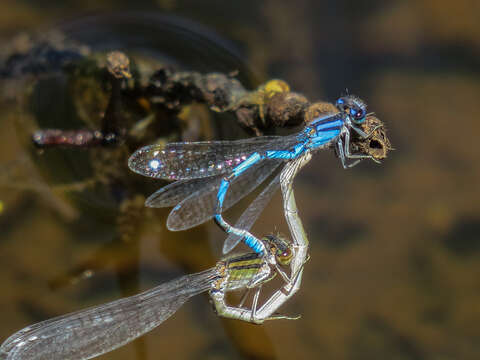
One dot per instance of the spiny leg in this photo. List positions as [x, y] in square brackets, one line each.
[362, 133]
[244, 297]
[254, 303]
[283, 274]
[356, 156]
[249, 315]
[341, 155]
[218, 297]
[230, 312]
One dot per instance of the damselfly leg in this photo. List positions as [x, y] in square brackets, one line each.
[343, 146]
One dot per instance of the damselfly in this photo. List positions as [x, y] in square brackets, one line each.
[95, 331]
[204, 171]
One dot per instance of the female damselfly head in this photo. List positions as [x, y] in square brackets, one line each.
[354, 106]
[279, 247]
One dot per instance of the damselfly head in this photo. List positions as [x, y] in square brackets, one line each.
[354, 107]
[280, 248]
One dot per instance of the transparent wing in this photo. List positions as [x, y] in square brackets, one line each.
[175, 192]
[177, 161]
[194, 160]
[201, 205]
[250, 215]
[95, 331]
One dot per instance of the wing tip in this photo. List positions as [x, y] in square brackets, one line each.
[132, 161]
[172, 224]
[176, 224]
[150, 201]
[226, 249]
[230, 243]
[170, 227]
[138, 158]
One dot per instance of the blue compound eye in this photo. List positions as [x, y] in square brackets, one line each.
[358, 116]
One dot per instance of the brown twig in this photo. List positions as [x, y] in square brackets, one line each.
[271, 105]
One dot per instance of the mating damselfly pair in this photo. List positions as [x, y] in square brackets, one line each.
[203, 173]
[212, 176]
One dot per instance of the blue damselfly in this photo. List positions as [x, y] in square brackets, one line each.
[204, 171]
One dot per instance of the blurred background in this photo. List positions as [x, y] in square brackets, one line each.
[395, 248]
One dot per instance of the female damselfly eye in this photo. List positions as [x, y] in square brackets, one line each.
[279, 247]
[284, 257]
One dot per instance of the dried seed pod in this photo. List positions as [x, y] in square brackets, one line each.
[377, 145]
[318, 109]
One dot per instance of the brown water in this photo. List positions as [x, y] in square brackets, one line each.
[395, 250]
